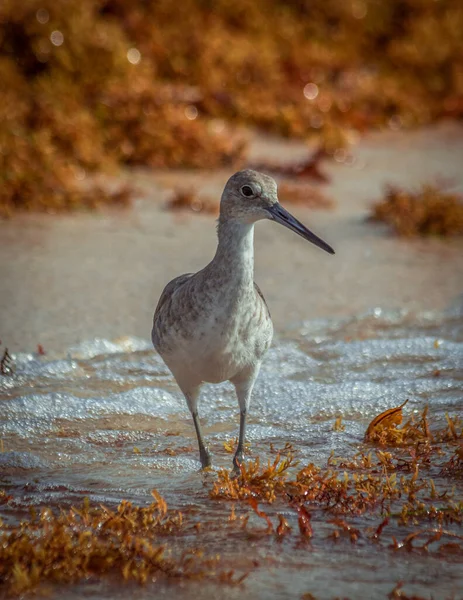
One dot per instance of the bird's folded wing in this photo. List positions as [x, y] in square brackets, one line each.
[262, 296]
[170, 288]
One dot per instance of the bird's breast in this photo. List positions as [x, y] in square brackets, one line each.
[223, 334]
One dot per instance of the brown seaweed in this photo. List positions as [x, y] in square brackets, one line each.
[129, 542]
[424, 212]
[91, 85]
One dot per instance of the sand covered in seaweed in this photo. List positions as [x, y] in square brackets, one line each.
[94, 84]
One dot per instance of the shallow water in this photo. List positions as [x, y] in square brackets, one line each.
[105, 420]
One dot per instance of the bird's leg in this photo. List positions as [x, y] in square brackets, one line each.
[239, 455]
[243, 383]
[191, 396]
[204, 453]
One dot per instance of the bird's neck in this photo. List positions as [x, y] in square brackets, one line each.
[234, 258]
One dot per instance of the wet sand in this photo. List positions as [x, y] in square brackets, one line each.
[74, 277]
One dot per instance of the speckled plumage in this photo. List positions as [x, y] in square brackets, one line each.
[214, 325]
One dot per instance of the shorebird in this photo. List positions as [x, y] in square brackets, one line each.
[214, 325]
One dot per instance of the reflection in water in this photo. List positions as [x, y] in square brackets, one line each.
[107, 421]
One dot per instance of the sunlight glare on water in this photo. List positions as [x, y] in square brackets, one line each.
[106, 420]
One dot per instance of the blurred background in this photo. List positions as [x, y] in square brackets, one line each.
[90, 85]
[137, 104]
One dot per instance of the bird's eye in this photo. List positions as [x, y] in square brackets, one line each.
[246, 190]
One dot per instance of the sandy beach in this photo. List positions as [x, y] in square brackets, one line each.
[67, 278]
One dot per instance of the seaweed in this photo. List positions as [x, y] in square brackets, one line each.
[231, 445]
[389, 484]
[96, 84]
[454, 466]
[338, 425]
[397, 592]
[383, 495]
[129, 542]
[425, 212]
[252, 481]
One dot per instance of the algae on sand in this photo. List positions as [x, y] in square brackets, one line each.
[94, 84]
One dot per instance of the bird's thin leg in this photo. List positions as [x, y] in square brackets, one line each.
[239, 455]
[191, 396]
[204, 453]
[243, 385]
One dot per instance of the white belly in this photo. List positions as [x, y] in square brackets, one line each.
[217, 347]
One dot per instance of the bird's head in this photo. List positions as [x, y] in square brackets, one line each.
[250, 196]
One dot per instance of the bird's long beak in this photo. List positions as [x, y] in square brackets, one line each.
[281, 215]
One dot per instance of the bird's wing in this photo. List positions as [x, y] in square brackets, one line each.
[258, 290]
[169, 290]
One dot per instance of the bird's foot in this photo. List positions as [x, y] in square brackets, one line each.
[205, 457]
[238, 460]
